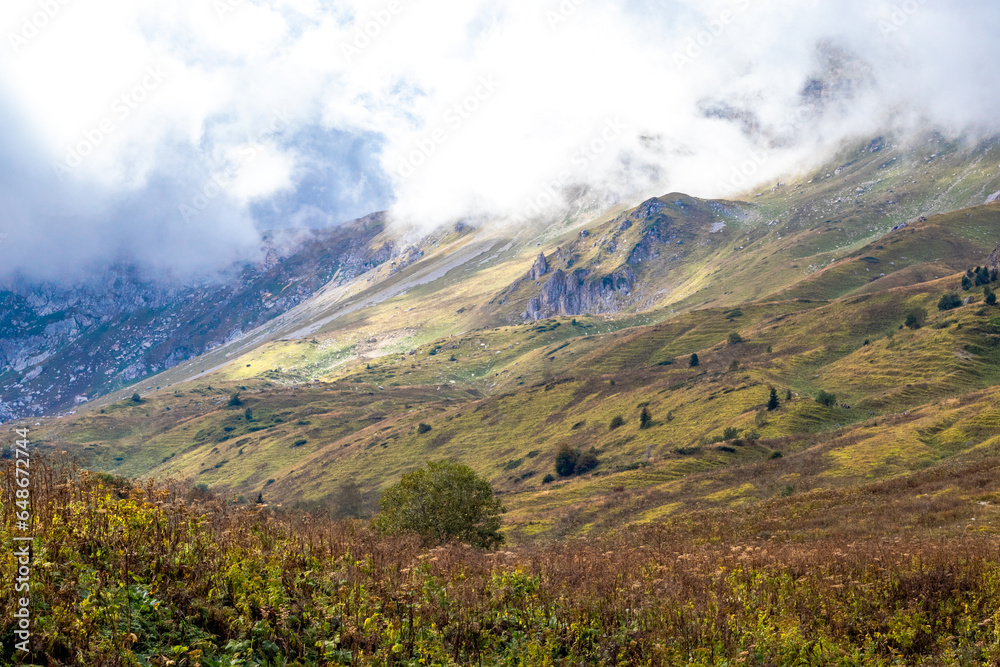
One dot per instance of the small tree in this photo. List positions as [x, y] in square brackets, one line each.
[734, 338]
[616, 422]
[826, 398]
[136, 398]
[915, 318]
[566, 459]
[694, 361]
[444, 502]
[423, 428]
[991, 298]
[248, 414]
[772, 401]
[788, 394]
[645, 420]
[235, 400]
[966, 283]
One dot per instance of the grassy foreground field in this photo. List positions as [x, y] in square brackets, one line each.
[145, 574]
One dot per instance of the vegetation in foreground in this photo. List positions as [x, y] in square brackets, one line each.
[141, 574]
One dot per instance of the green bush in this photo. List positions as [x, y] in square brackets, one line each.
[734, 338]
[566, 459]
[235, 400]
[616, 422]
[916, 318]
[949, 301]
[694, 361]
[826, 398]
[423, 428]
[444, 502]
[586, 462]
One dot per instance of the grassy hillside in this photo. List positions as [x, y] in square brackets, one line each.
[505, 399]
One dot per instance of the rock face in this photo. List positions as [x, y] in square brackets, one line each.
[539, 268]
[993, 261]
[60, 342]
[637, 237]
[995, 197]
[578, 293]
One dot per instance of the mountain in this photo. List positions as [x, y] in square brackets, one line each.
[61, 345]
[498, 347]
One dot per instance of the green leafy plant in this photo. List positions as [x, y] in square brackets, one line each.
[444, 502]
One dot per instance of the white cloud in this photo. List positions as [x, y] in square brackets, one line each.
[690, 89]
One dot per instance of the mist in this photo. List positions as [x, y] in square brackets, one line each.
[172, 135]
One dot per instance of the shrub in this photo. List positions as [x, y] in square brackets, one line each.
[566, 459]
[235, 400]
[694, 361]
[775, 455]
[616, 422]
[548, 479]
[299, 442]
[512, 464]
[423, 428]
[730, 433]
[949, 301]
[444, 502]
[645, 420]
[966, 283]
[136, 398]
[248, 414]
[916, 318]
[826, 398]
[586, 462]
[734, 338]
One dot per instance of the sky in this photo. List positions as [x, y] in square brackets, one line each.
[172, 134]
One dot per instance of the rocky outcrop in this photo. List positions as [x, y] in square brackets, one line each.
[993, 261]
[993, 198]
[539, 268]
[578, 292]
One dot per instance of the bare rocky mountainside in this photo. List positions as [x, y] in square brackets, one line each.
[61, 345]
